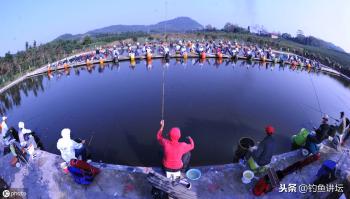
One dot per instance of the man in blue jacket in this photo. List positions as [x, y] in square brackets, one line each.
[261, 155]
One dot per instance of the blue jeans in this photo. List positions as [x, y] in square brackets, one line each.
[311, 146]
[81, 152]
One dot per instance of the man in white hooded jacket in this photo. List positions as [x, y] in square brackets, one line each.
[25, 137]
[69, 148]
[3, 128]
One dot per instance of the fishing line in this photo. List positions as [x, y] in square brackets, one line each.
[303, 110]
[163, 91]
[315, 109]
[318, 101]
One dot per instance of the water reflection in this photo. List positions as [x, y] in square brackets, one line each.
[12, 97]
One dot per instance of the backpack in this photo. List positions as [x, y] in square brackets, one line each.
[300, 138]
[262, 187]
[80, 164]
[326, 173]
[81, 176]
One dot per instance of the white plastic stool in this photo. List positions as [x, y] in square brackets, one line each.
[173, 176]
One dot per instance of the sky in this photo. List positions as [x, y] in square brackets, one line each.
[43, 21]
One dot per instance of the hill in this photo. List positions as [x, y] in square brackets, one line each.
[179, 24]
[315, 42]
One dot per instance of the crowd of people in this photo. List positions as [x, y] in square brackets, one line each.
[183, 48]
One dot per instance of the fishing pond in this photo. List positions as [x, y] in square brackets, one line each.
[116, 108]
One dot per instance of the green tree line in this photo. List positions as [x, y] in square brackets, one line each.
[14, 65]
[309, 47]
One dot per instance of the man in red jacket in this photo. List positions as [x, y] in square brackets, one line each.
[173, 149]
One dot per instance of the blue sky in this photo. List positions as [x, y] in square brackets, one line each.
[43, 20]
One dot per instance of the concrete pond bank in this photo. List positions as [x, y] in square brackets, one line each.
[44, 178]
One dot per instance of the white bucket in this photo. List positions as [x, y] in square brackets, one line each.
[173, 175]
[305, 152]
[63, 165]
[247, 177]
[330, 138]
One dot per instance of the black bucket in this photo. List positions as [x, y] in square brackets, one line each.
[3, 184]
[243, 146]
[12, 133]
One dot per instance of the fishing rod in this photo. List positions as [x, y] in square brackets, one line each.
[92, 136]
[319, 111]
[318, 101]
[79, 140]
[163, 91]
[20, 155]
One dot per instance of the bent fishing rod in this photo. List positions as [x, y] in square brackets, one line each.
[319, 111]
[318, 101]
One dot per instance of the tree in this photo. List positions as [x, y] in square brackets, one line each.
[300, 33]
[286, 36]
[229, 27]
[87, 40]
[27, 45]
[34, 44]
[8, 57]
[150, 38]
[208, 27]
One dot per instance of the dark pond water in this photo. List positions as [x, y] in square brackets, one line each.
[120, 106]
